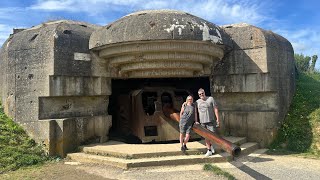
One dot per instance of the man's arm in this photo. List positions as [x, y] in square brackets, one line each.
[216, 112]
[196, 114]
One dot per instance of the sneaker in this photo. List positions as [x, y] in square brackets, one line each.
[212, 149]
[209, 153]
[185, 147]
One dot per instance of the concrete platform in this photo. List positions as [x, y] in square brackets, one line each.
[145, 162]
[120, 149]
[126, 156]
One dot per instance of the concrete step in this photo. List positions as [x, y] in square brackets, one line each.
[146, 162]
[134, 151]
[126, 156]
[248, 148]
[128, 162]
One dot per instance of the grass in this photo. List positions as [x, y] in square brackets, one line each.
[16, 148]
[300, 131]
[218, 171]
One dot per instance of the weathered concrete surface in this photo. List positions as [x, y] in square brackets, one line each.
[71, 106]
[46, 74]
[159, 43]
[254, 82]
[123, 150]
[156, 25]
[79, 85]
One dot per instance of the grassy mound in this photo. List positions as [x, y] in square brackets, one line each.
[16, 148]
[300, 131]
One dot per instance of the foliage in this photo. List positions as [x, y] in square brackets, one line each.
[16, 148]
[313, 63]
[302, 62]
[300, 131]
[218, 171]
[306, 63]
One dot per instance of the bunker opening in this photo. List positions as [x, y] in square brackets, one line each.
[136, 108]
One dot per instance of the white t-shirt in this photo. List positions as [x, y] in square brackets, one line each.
[205, 109]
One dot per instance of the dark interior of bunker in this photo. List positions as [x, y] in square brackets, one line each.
[135, 103]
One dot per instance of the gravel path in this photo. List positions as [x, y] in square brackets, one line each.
[255, 166]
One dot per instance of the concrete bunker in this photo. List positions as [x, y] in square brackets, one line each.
[60, 80]
[136, 107]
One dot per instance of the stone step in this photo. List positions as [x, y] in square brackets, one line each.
[134, 151]
[126, 156]
[248, 148]
[146, 162]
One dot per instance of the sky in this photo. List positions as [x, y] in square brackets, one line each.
[296, 20]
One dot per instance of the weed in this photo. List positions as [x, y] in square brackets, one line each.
[218, 171]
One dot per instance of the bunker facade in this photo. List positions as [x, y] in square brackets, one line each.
[68, 83]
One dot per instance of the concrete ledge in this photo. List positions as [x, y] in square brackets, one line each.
[134, 151]
[57, 107]
[145, 162]
[248, 148]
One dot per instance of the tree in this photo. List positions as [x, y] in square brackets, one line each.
[302, 62]
[313, 62]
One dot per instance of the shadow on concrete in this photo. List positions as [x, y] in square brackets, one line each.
[251, 172]
[259, 159]
[239, 163]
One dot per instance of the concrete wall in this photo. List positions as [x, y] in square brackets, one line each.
[254, 83]
[48, 87]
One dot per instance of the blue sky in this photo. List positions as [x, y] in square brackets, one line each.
[296, 20]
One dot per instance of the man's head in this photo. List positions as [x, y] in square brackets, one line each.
[201, 93]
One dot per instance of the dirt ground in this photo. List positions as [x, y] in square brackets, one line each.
[259, 166]
[70, 170]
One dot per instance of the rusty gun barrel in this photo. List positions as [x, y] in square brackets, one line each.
[221, 142]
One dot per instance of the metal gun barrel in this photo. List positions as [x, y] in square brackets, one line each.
[221, 142]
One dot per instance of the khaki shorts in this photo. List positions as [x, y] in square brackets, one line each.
[209, 126]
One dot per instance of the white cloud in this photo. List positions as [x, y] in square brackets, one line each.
[5, 31]
[226, 12]
[305, 41]
[6, 13]
[217, 11]
[55, 5]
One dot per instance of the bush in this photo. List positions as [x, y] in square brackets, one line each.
[300, 130]
[16, 148]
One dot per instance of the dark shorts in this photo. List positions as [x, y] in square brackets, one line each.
[185, 128]
[209, 126]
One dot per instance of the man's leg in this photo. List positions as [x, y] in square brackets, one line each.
[208, 144]
[210, 149]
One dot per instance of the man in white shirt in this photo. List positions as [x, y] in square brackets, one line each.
[208, 113]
